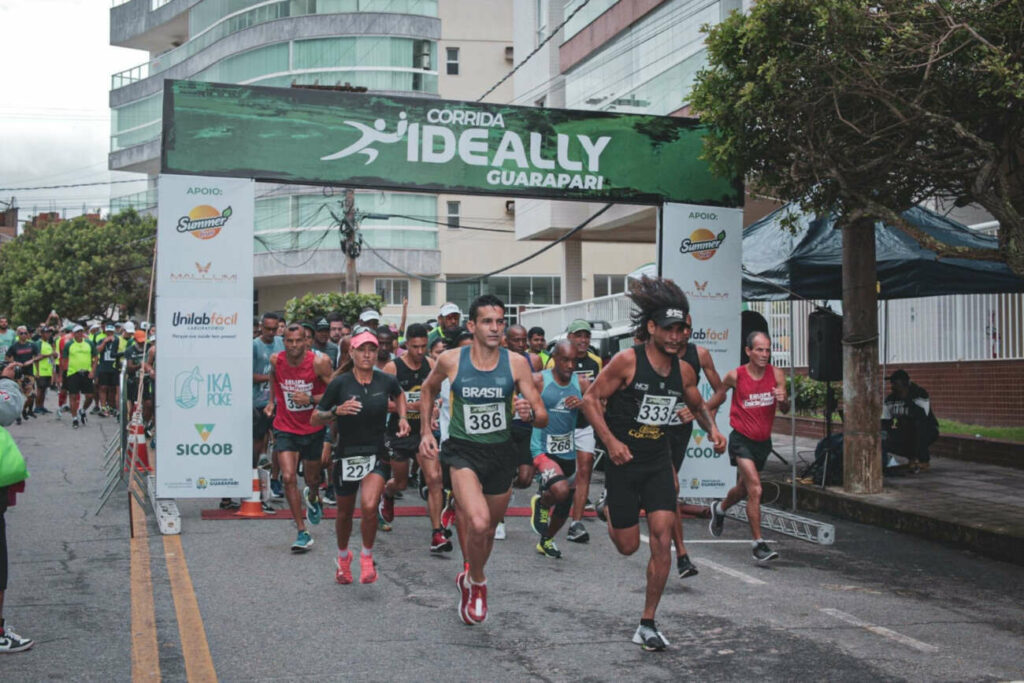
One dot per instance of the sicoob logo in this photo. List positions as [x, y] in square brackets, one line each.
[204, 222]
[702, 243]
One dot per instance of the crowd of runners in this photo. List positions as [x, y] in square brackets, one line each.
[463, 409]
[467, 408]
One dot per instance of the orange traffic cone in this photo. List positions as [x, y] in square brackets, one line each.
[137, 444]
[252, 507]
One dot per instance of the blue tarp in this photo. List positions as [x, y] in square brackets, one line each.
[778, 265]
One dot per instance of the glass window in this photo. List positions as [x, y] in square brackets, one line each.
[609, 284]
[393, 290]
[428, 293]
[452, 60]
[454, 208]
[542, 21]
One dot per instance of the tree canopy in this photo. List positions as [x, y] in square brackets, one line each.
[348, 305]
[868, 107]
[78, 268]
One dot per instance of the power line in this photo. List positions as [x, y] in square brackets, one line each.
[503, 268]
[385, 216]
[61, 187]
[535, 51]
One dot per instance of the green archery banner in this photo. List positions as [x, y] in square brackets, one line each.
[319, 137]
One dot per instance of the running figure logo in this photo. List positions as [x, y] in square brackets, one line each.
[369, 137]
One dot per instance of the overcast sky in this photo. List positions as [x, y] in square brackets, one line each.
[56, 62]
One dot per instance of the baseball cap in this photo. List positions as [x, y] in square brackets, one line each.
[899, 376]
[144, 324]
[365, 337]
[450, 308]
[108, 328]
[669, 316]
[140, 336]
[94, 325]
[129, 327]
[308, 325]
[323, 324]
[367, 316]
[68, 327]
[578, 325]
[78, 328]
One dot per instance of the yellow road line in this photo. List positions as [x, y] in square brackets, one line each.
[194, 646]
[145, 655]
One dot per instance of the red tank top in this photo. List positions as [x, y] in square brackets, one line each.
[753, 404]
[289, 380]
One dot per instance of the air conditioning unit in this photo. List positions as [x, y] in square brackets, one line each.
[510, 207]
[510, 53]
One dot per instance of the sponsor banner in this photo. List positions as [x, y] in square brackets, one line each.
[295, 135]
[700, 247]
[205, 229]
[204, 285]
[205, 452]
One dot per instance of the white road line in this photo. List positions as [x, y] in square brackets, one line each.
[880, 630]
[723, 540]
[736, 574]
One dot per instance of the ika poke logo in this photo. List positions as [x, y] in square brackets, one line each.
[204, 222]
[193, 387]
[702, 243]
[515, 161]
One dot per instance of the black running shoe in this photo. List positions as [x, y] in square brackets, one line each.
[762, 553]
[649, 639]
[228, 504]
[601, 505]
[686, 568]
[717, 519]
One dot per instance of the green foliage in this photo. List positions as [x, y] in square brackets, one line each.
[77, 268]
[312, 306]
[867, 108]
[809, 396]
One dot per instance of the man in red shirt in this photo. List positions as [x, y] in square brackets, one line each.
[758, 388]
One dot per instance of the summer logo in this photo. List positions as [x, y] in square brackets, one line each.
[702, 243]
[204, 222]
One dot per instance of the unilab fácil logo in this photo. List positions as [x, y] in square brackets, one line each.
[204, 222]
[205, 447]
[702, 244]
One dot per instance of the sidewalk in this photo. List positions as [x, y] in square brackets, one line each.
[974, 506]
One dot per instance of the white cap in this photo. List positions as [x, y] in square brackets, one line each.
[129, 327]
[448, 309]
[78, 328]
[367, 316]
[144, 324]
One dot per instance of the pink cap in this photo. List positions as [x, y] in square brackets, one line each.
[365, 337]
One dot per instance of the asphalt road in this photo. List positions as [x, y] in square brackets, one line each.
[877, 605]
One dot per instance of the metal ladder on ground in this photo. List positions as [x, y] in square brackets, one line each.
[787, 523]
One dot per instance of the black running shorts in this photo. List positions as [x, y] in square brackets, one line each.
[79, 383]
[343, 472]
[648, 485]
[308, 446]
[106, 378]
[742, 447]
[494, 464]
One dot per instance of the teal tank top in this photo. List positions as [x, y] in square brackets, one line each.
[556, 440]
[481, 401]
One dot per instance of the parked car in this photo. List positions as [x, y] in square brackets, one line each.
[605, 339]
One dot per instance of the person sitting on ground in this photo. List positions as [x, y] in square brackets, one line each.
[909, 424]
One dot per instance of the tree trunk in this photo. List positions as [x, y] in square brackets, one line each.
[862, 404]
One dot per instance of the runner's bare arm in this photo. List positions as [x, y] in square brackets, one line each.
[400, 408]
[322, 368]
[693, 400]
[718, 398]
[524, 383]
[707, 364]
[572, 402]
[781, 398]
[446, 366]
[615, 376]
[271, 405]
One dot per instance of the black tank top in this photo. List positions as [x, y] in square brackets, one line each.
[639, 414]
[691, 358]
[410, 381]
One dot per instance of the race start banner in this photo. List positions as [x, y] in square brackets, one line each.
[204, 285]
[324, 137]
[701, 249]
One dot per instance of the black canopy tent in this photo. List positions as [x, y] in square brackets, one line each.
[780, 265]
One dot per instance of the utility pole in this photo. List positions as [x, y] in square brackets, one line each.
[351, 246]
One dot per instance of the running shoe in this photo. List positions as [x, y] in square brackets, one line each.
[327, 496]
[82, 415]
[386, 508]
[539, 516]
[31, 414]
[499, 532]
[268, 509]
[42, 411]
[303, 542]
[762, 553]
[650, 639]
[367, 569]
[276, 489]
[461, 582]
[12, 642]
[439, 543]
[476, 608]
[448, 517]
[601, 505]
[685, 567]
[578, 533]
[228, 504]
[717, 519]
[17, 421]
[314, 510]
[547, 547]
[343, 575]
[382, 523]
